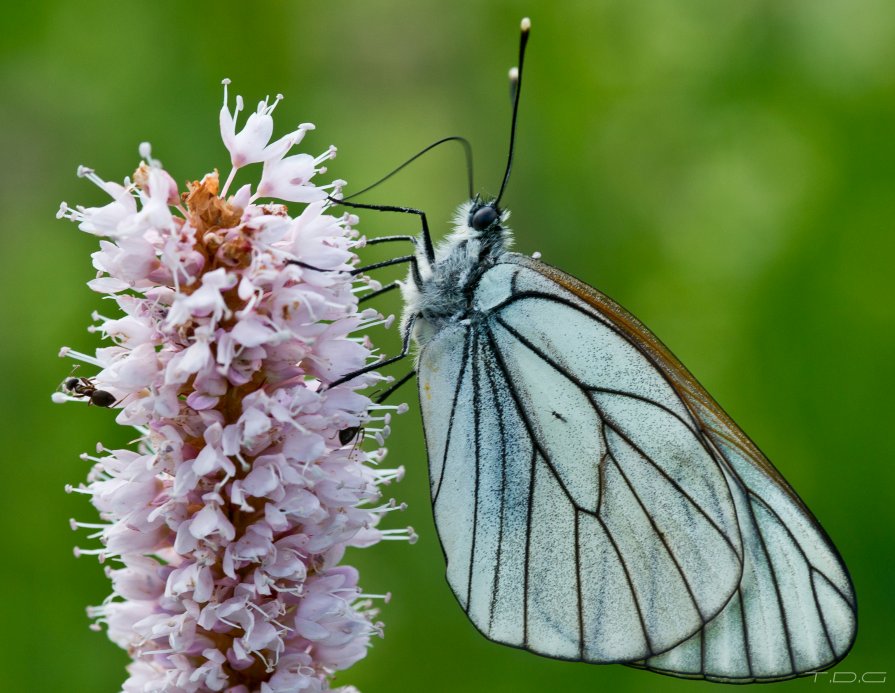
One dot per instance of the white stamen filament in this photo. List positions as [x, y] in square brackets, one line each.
[373, 323]
[229, 180]
[74, 524]
[66, 352]
[387, 597]
[406, 534]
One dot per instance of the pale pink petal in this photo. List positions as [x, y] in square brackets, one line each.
[251, 332]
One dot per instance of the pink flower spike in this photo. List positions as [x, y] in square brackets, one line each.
[224, 529]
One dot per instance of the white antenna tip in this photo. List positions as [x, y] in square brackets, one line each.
[514, 75]
[525, 25]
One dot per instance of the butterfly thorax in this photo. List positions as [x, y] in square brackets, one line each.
[445, 290]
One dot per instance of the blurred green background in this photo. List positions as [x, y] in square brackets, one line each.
[725, 170]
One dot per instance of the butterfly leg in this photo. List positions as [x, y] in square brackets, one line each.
[427, 237]
[305, 265]
[346, 435]
[388, 239]
[359, 270]
[414, 267]
[370, 241]
[379, 292]
[384, 263]
[391, 390]
[405, 350]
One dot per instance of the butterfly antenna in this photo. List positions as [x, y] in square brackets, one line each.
[467, 150]
[516, 86]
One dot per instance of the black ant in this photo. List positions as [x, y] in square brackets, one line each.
[355, 433]
[346, 435]
[84, 387]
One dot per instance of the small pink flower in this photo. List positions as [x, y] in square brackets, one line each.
[289, 178]
[251, 144]
[226, 524]
[108, 219]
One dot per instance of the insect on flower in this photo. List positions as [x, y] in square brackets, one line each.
[84, 388]
[593, 502]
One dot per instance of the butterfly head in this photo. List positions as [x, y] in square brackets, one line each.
[481, 222]
[484, 216]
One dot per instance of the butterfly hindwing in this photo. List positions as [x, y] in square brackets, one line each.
[794, 610]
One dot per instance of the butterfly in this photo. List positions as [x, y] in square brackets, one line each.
[593, 502]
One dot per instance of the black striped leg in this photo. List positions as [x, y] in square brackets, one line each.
[389, 239]
[346, 435]
[427, 238]
[376, 265]
[405, 350]
[379, 292]
[414, 267]
[391, 390]
[393, 285]
[384, 263]
[370, 241]
[305, 265]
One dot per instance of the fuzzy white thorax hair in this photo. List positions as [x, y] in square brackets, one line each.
[459, 260]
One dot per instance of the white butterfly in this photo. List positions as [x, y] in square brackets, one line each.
[593, 502]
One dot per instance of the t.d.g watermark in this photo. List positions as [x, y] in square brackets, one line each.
[849, 677]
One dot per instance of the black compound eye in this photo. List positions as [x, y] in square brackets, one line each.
[484, 217]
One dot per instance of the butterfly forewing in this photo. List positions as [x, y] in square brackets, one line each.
[581, 511]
